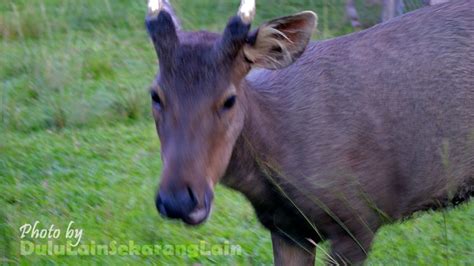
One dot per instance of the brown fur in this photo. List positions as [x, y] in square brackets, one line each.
[360, 130]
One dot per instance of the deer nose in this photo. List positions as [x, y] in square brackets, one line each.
[177, 204]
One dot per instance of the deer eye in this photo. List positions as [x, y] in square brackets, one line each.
[229, 103]
[155, 99]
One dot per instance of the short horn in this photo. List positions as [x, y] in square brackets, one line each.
[154, 7]
[161, 28]
[247, 11]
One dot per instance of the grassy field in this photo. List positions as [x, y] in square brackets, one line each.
[77, 142]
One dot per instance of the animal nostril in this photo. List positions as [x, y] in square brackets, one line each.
[160, 207]
[178, 204]
[192, 196]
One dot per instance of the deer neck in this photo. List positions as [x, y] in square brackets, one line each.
[255, 156]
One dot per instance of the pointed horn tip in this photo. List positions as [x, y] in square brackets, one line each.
[247, 11]
[154, 7]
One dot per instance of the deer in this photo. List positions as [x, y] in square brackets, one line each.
[328, 140]
[390, 9]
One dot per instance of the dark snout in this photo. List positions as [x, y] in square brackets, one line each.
[185, 204]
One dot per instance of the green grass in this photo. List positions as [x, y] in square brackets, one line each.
[83, 63]
[77, 142]
[104, 179]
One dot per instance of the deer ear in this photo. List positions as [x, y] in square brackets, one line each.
[278, 43]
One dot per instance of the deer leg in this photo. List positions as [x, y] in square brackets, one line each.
[388, 10]
[346, 251]
[351, 13]
[287, 252]
[400, 7]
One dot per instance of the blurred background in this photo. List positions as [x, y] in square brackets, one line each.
[77, 140]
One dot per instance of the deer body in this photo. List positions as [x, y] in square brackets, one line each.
[358, 131]
[348, 123]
